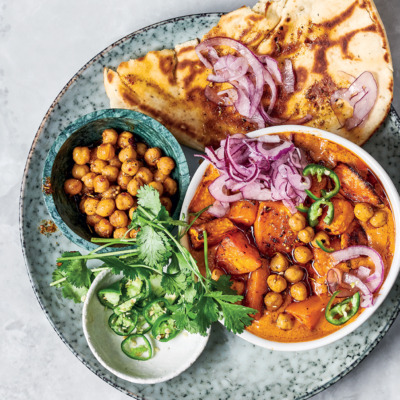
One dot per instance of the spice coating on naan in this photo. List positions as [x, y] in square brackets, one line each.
[329, 44]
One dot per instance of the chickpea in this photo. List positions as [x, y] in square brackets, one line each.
[79, 171]
[106, 152]
[158, 186]
[152, 155]
[110, 172]
[216, 274]
[97, 165]
[238, 286]
[132, 210]
[167, 203]
[165, 165]
[306, 235]
[124, 201]
[322, 237]
[88, 180]
[119, 219]
[276, 283]
[86, 191]
[170, 186]
[285, 322]
[159, 177]
[273, 301]
[93, 154]
[82, 205]
[90, 206]
[125, 139]
[130, 167]
[298, 291]
[145, 175]
[110, 136]
[134, 185]
[123, 180]
[115, 162]
[103, 228]
[127, 153]
[92, 220]
[297, 222]
[363, 211]
[141, 149]
[279, 263]
[294, 274]
[111, 193]
[105, 207]
[81, 155]
[302, 254]
[100, 184]
[73, 186]
[120, 233]
[379, 219]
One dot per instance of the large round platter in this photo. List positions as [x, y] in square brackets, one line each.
[227, 359]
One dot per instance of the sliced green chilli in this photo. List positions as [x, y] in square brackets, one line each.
[164, 329]
[155, 309]
[123, 324]
[142, 326]
[342, 312]
[111, 296]
[138, 347]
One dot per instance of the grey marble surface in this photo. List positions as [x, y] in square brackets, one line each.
[42, 44]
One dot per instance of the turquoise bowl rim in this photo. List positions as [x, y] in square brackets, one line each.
[114, 113]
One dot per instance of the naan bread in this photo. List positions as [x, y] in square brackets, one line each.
[329, 43]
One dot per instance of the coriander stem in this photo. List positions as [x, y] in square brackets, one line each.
[123, 240]
[95, 256]
[208, 272]
[57, 282]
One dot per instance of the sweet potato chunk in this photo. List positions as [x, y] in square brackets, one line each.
[354, 187]
[342, 219]
[216, 230]
[354, 236]
[256, 289]
[309, 312]
[243, 212]
[271, 228]
[316, 186]
[236, 255]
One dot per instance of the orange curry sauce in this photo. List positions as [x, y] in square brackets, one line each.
[270, 233]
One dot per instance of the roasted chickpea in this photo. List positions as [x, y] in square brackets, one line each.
[124, 201]
[165, 165]
[82, 205]
[302, 254]
[79, 171]
[123, 180]
[276, 283]
[132, 209]
[279, 263]
[73, 186]
[105, 207]
[134, 185]
[125, 139]
[158, 186]
[322, 237]
[120, 233]
[110, 136]
[273, 301]
[133, 233]
[297, 222]
[130, 167]
[115, 162]
[298, 291]
[127, 153]
[294, 274]
[285, 322]
[90, 206]
[92, 220]
[159, 177]
[93, 154]
[306, 235]
[88, 180]
[100, 184]
[141, 149]
[238, 286]
[145, 175]
[379, 219]
[97, 165]
[103, 228]
[119, 219]
[170, 186]
[216, 274]
[167, 203]
[86, 191]
[81, 155]
[363, 211]
[110, 172]
[111, 193]
[152, 155]
[106, 152]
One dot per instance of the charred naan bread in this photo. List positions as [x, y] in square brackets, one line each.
[329, 43]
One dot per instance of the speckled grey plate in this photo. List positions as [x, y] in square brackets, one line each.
[219, 371]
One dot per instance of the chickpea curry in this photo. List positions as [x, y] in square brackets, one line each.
[307, 237]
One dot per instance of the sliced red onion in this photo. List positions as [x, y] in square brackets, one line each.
[229, 68]
[256, 191]
[219, 209]
[367, 299]
[334, 280]
[275, 152]
[363, 273]
[219, 98]
[216, 191]
[272, 67]
[288, 76]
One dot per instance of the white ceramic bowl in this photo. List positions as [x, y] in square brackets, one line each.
[170, 360]
[395, 206]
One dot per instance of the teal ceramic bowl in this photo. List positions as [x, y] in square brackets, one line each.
[84, 132]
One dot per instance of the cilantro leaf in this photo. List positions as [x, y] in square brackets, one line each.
[128, 270]
[236, 317]
[69, 291]
[149, 199]
[230, 298]
[223, 284]
[173, 283]
[76, 271]
[207, 312]
[154, 247]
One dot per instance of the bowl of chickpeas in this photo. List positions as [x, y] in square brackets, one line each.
[96, 167]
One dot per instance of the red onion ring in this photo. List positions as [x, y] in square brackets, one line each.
[367, 299]
[288, 76]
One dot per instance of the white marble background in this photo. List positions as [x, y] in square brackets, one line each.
[42, 44]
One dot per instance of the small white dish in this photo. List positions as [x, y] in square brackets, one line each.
[394, 199]
[171, 358]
